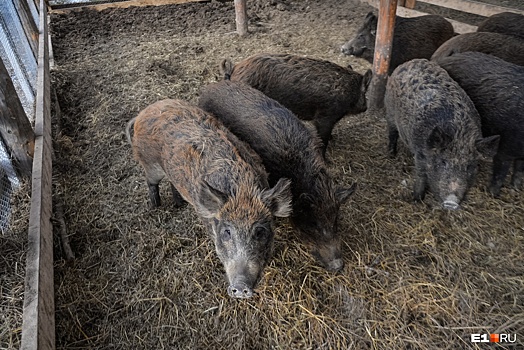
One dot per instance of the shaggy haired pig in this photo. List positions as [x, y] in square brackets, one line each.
[508, 47]
[220, 177]
[440, 125]
[504, 23]
[416, 37]
[496, 87]
[316, 90]
[288, 149]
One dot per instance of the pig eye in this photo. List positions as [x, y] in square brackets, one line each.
[226, 234]
[261, 232]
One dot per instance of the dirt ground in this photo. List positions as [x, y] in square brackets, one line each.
[416, 277]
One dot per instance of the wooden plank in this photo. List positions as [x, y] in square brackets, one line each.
[459, 27]
[29, 25]
[383, 44]
[123, 4]
[410, 4]
[38, 326]
[241, 17]
[15, 129]
[470, 6]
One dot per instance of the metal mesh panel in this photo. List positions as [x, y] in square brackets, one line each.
[8, 182]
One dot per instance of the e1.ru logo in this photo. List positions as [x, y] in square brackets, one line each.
[493, 338]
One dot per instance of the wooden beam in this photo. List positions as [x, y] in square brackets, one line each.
[470, 6]
[38, 326]
[458, 27]
[410, 4]
[241, 17]
[15, 129]
[29, 25]
[121, 4]
[383, 44]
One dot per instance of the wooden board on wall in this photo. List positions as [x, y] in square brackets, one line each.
[124, 4]
[38, 326]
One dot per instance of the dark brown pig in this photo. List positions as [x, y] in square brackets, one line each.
[288, 149]
[220, 177]
[416, 37]
[508, 47]
[313, 89]
[440, 125]
[496, 87]
[504, 23]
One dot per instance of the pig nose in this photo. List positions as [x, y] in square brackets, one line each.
[335, 265]
[240, 290]
[450, 203]
[346, 50]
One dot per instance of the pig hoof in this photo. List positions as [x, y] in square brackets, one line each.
[240, 290]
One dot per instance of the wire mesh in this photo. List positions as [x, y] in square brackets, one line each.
[8, 182]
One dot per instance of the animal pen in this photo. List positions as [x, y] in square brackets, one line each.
[117, 275]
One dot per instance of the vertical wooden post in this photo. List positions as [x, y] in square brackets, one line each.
[15, 129]
[241, 17]
[383, 44]
[38, 327]
[410, 4]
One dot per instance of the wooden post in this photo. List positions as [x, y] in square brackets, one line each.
[383, 44]
[410, 4]
[15, 129]
[241, 17]
[38, 326]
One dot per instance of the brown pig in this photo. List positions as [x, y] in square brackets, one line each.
[222, 178]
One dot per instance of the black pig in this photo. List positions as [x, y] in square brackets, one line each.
[508, 47]
[313, 89]
[496, 87]
[504, 23]
[220, 177]
[416, 37]
[288, 149]
[440, 125]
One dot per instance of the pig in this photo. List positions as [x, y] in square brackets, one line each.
[313, 89]
[504, 23]
[222, 178]
[438, 122]
[508, 47]
[288, 149]
[496, 87]
[416, 37]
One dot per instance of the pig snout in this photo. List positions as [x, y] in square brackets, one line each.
[240, 290]
[346, 50]
[330, 257]
[451, 202]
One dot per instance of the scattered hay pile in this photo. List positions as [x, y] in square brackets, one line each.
[416, 277]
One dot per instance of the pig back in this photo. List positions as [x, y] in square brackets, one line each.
[304, 85]
[496, 87]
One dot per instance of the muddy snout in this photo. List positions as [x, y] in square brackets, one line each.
[240, 290]
[243, 277]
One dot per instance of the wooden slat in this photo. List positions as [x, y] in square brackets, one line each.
[459, 27]
[124, 4]
[15, 129]
[470, 6]
[384, 42]
[29, 25]
[38, 327]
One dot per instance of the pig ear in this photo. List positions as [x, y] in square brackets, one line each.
[488, 146]
[278, 198]
[343, 194]
[210, 201]
[367, 79]
[438, 139]
[371, 22]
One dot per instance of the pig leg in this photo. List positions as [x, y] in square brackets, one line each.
[154, 174]
[154, 194]
[177, 198]
[324, 128]
[419, 188]
[500, 170]
[518, 173]
[393, 139]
